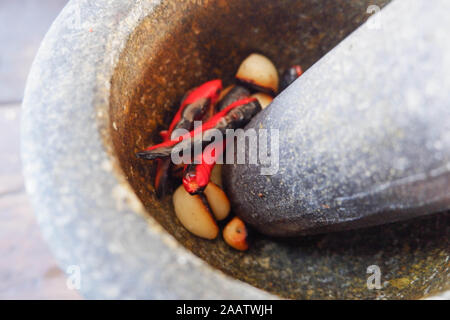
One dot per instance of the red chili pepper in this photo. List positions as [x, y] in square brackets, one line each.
[196, 176]
[193, 106]
[204, 95]
[289, 76]
[234, 116]
[235, 94]
[298, 70]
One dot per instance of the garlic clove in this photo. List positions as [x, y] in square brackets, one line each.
[235, 234]
[216, 175]
[218, 201]
[258, 72]
[194, 214]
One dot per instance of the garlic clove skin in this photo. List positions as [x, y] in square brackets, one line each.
[258, 72]
[194, 214]
[218, 201]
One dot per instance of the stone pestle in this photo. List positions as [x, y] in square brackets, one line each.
[363, 135]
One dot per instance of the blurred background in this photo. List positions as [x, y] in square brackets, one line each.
[27, 268]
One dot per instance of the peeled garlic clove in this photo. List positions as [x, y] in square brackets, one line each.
[263, 98]
[216, 175]
[258, 72]
[218, 201]
[194, 214]
[235, 234]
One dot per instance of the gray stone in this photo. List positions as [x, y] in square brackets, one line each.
[87, 215]
[364, 133]
[111, 75]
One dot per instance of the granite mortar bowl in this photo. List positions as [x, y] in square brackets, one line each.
[140, 60]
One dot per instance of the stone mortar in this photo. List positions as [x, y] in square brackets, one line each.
[103, 84]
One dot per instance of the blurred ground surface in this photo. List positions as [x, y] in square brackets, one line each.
[27, 269]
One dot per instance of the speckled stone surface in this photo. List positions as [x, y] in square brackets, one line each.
[85, 212]
[374, 146]
[90, 85]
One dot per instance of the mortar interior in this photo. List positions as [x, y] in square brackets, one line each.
[184, 43]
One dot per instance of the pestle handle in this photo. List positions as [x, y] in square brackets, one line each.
[364, 134]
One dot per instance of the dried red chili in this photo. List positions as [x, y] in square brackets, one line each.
[234, 116]
[194, 106]
[235, 94]
[289, 76]
[196, 175]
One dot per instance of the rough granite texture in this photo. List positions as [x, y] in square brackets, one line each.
[89, 75]
[85, 212]
[374, 146]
